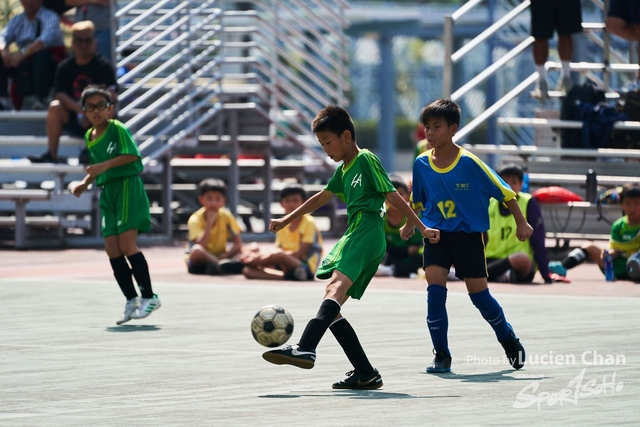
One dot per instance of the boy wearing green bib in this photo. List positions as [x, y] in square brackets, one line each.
[364, 185]
[115, 166]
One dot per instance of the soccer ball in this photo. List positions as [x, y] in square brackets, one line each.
[272, 326]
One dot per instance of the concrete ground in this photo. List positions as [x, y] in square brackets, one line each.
[64, 362]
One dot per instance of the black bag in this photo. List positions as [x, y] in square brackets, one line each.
[629, 103]
[597, 124]
[587, 93]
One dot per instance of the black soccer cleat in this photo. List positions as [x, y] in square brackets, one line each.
[514, 350]
[355, 381]
[441, 363]
[291, 355]
[227, 266]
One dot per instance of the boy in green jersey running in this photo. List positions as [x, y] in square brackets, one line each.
[115, 166]
[364, 185]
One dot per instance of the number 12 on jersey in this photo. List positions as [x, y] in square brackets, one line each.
[447, 208]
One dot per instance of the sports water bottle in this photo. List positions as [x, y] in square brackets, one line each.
[608, 266]
[633, 266]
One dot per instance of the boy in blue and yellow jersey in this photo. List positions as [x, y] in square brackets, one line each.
[452, 188]
[115, 166]
[364, 185]
[299, 246]
[508, 259]
[210, 229]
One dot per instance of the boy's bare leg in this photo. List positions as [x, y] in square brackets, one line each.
[262, 273]
[199, 255]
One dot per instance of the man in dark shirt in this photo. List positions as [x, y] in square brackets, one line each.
[85, 67]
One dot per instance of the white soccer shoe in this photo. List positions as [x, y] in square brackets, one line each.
[129, 308]
[147, 306]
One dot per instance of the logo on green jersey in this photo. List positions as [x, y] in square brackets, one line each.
[357, 180]
[111, 147]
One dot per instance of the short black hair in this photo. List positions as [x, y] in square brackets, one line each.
[442, 108]
[631, 192]
[334, 119]
[212, 184]
[511, 170]
[292, 189]
[92, 90]
[398, 182]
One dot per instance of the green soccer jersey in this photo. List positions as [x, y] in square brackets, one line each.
[392, 234]
[115, 141]
[362, 185]
[625, 238]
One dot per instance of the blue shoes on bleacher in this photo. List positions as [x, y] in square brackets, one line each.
[558, 268]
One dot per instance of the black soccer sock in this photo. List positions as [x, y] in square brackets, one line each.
[348, 340]
[329, 310]
[122, 273]
[575, 257]
[496, 268]
[140, 270]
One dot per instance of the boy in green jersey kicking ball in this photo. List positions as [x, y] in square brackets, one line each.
[364, 185]
[115, 165]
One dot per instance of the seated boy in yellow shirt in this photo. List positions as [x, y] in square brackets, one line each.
[298, 246]
[210, 229]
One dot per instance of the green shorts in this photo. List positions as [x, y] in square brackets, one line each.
[124, 206]
[357, 254]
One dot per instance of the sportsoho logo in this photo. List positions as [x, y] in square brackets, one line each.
[580, 387]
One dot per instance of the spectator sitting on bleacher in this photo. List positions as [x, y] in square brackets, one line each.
[565, 17]
[210, 228]
[85, 67]
[508, 259]
[36, 32]
[98, 12]
[624, 242]
[623, 20]
[298, 246]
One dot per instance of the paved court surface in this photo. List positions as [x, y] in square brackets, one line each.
[64, 362]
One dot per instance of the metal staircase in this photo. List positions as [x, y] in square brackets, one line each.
[509, 39]
[230, 79]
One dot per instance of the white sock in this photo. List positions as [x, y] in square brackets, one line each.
[4, 101]
[566, 69]
[542, 72]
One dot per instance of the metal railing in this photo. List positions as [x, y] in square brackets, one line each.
[194, 64]
[453, 57]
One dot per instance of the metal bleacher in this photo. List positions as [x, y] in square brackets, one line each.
[547, 163]
[217, 88]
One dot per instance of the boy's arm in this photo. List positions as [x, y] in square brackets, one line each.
[396, 200]
[78, 189]
[523, 229]
[314, 202]
[98, 168]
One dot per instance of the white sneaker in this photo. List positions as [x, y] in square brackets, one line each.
[385, 270]
[147, 306]
[506, 277]
[541, 90]
[129, 308]
[565, 84]
[300, 273]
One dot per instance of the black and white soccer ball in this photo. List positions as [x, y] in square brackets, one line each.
[272, 326]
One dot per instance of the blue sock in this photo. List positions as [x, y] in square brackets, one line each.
[437, 320]
[492, 313]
